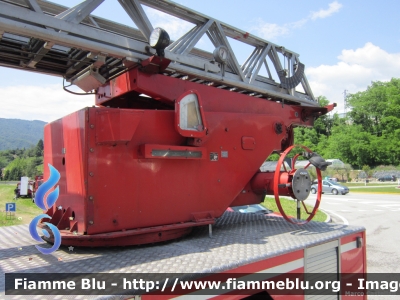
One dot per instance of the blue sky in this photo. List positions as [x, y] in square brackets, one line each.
[344, 45]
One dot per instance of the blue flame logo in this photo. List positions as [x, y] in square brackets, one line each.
[40, 202]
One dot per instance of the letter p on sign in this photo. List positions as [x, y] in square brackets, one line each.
[11, 207]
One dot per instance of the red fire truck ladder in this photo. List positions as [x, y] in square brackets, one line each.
[88, 51]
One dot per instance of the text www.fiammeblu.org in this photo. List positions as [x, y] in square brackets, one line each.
[234, 284]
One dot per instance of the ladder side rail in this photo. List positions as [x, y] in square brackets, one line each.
[67, 40]
[85, 36]
[21, 17]
[229, 79]
[52, 9]
[74, 15]
[183, 13]
[95, 40]
[232, 80]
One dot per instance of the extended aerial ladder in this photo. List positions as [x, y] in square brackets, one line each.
[164, 112]
[88, 51]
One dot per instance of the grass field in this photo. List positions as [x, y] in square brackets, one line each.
[26, 209]
[376, 190]
[388, 184]
[290, 208]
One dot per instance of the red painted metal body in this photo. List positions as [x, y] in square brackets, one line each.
[128, 171]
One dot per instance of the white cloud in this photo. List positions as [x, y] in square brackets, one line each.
[334, 7]
[174, 26]
[46, 103]
[298, 24]
[269, 31]
[354, 71]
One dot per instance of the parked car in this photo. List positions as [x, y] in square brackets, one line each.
[330, 187]
[252, 208]
[387, 178]
[334, 180]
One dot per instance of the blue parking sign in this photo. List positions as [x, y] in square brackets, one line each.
[11, 207]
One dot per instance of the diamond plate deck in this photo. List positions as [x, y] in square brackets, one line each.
[238, 239]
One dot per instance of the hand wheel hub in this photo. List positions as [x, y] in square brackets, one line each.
[301, 184]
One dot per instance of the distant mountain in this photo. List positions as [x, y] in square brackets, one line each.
[16, 133]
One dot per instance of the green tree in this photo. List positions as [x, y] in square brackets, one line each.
[39, 149]
[3, 162]
[323, 125]
[370, 108]
[30, 169]
[7, 175]
[30, 152]
[306, 136]
[15, 174]
[17, 168]
[367, 170]
[317, 137]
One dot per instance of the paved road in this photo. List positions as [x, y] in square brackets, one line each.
[380, 215]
